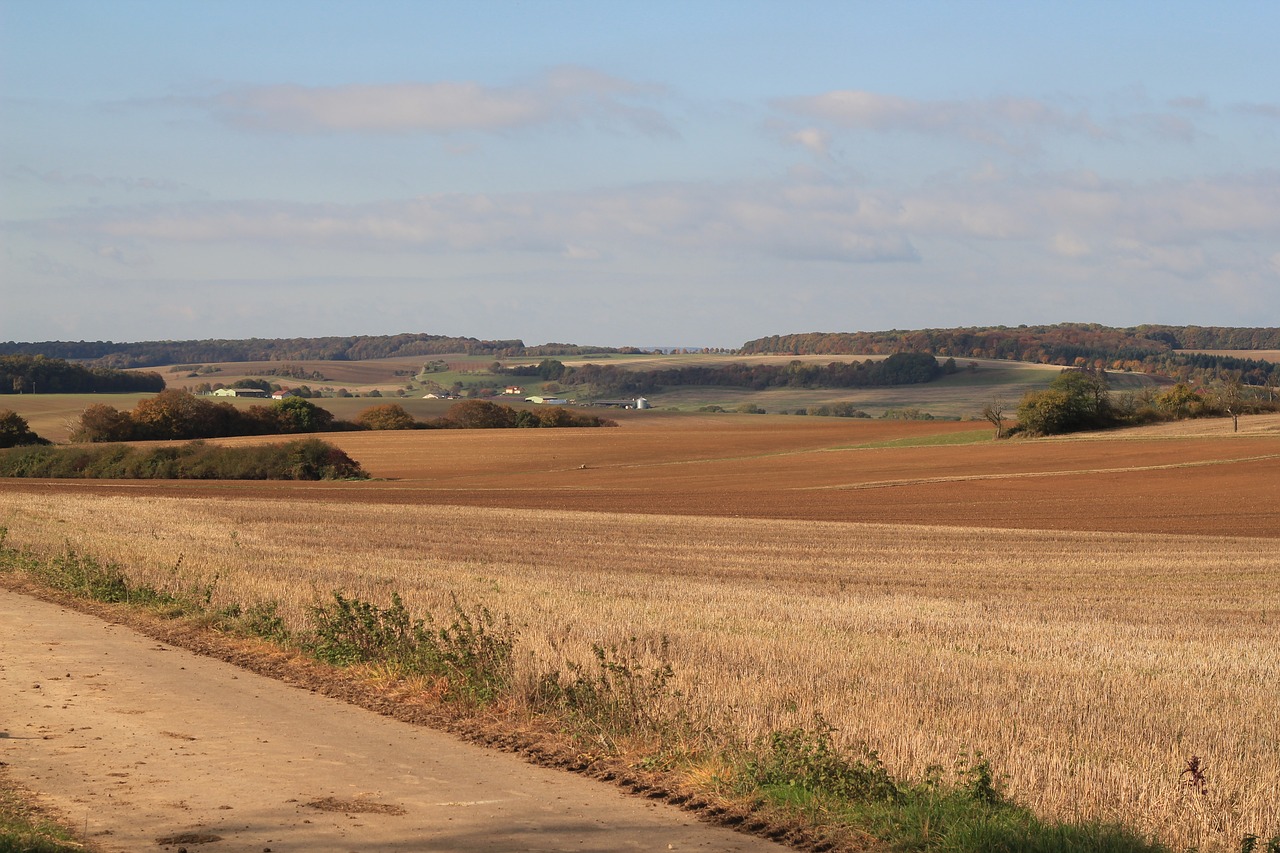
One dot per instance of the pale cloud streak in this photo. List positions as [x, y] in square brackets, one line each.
[569, 95]
[1008, 122]
[1177, 226]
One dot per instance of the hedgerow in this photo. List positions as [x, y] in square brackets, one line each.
[303, 459]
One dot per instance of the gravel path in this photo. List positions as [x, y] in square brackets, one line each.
[148, 746]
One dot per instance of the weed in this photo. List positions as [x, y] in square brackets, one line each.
[627, 692]
[473, 652]
[807, 760]
[348, 631]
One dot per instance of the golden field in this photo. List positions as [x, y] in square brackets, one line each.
[1088, 613]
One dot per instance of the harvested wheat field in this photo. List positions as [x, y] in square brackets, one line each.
[1089, 614]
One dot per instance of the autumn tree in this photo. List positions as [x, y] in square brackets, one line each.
[100, 422]
[1180, 401]
[479, 414]
[173, 414]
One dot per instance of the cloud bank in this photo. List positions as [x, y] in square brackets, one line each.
[563, 95]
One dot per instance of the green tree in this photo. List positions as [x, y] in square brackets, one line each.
[1075, 400]
[1048, 412]
[389, 416]
[295, 415]
[14, 430]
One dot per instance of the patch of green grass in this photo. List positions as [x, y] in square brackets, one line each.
[942, 439]
[802, 771]
[24, 830]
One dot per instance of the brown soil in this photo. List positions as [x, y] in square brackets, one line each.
[795, 468]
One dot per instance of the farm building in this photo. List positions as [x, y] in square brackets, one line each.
[546, 401]
[637, 403]
[239, 392]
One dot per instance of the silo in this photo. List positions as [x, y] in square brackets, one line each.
[642, 403]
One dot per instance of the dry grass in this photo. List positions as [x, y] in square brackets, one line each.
[1089, 652]
[1087, 666]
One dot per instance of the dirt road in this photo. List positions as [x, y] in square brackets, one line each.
[147, 746]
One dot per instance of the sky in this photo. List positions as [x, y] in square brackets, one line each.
[649, 173]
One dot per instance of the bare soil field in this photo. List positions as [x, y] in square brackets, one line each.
[1088, 613]
[1180, 478]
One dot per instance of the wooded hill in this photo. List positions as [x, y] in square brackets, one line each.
[353, 348]
[1147, 349]
[32, 374]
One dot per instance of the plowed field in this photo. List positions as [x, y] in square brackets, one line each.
[815, 469]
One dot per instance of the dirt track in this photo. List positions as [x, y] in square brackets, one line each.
[148, 746]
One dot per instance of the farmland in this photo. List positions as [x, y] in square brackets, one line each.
[1088, 613]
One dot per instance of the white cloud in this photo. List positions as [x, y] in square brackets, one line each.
[816, 140]
[562, 95]
[1003, 122]
[1185, 228]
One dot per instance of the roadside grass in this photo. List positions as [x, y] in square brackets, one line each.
[623, 697]
[23, 829]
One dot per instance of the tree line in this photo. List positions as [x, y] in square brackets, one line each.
[1147, 348]
[180, 415]
[617, 380]
[1081, 399]
[351, 348]
[38, 374]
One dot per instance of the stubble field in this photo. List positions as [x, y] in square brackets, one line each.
[1088, 613]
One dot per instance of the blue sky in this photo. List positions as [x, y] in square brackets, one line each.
[647, 173]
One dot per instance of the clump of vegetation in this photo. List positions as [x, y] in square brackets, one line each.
[180, 415]
[15, 431]
[303, 459]
[1080, 399]
[472, 653]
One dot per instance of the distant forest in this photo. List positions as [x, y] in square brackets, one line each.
[35, 374]
[354, 348]
[1146, 349]
[614, 380]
